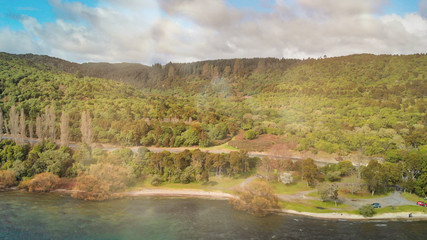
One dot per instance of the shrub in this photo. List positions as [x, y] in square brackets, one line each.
[43, 182]
[156, 181]
[90, 188]
[367, 210]
[7, 179]
[250, 134]
[256, 198]
[101, 180]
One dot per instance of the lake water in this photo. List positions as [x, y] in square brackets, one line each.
[57, 216]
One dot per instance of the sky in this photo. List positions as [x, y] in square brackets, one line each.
[162, 31]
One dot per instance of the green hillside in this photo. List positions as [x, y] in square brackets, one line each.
[375, 105]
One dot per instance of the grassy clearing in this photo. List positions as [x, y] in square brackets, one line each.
[280, 188]
[317, 207]
[224, 146]
[216, 183]
[362, 195]
[412, 197]
[405, 208]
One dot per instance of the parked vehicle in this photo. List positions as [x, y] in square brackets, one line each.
[376, 205]
[422, 204]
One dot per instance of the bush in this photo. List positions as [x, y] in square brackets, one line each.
[101, 180]
[90, 188]
[43, 182]
[256, 198]
[367, 210]
[7, 179]
[250, 134]
[156, 181]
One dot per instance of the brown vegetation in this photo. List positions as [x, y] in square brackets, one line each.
[257, 198]
[7, 179]
[101, 181]
[43, 182]
[262, 143]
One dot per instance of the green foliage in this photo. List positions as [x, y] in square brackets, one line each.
[250, 134]
[367, 210]
[374, 176]
[309, 171]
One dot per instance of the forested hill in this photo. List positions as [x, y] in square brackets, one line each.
[364, 103]
[354, 74]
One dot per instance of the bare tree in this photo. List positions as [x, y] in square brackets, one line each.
[22, 128]
[50, 122]
[86, 128]
[39, 128]
[14, 123]
[1, 124]
[31, 129]
[6, 129]
[65, 130]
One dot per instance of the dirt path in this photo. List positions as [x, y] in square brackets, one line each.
[111, 147]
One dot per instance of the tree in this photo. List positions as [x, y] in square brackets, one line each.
[309, 171]
[65, 129]
[31, 129]
[256, 198]
[1, 124]
[14, 123]
[39, 128]
[329, 192]
[354, 187]
[374, 176]
[22, 128]
[367, 210]
[86, 128]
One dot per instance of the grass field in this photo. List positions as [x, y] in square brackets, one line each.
[406, 208]
[317, 207]
[362, 195]
[280, 188]
[412, 197]
[215, 183]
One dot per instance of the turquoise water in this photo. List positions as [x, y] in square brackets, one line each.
[56, 216]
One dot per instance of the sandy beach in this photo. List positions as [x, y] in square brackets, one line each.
[192, 193]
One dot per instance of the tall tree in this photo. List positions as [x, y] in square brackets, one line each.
[31, 129]
[1, 124]
[65, 130]
[86, 128]
[39, 127]
[374, 176]
[50, 122]
[14, 123]
[22, 128]
[309, 171]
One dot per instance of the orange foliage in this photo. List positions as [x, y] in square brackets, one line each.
[43, 182]
[7, 179]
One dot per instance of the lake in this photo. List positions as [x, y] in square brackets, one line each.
[58, 216]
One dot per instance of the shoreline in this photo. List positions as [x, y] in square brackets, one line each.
[195, 193]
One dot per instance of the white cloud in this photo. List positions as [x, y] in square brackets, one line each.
[190, 30]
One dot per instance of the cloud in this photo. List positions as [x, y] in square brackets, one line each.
[423, 8]
[190, 30]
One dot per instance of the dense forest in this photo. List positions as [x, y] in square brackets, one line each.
[371, 106]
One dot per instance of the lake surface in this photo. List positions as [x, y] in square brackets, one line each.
[56, 216]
